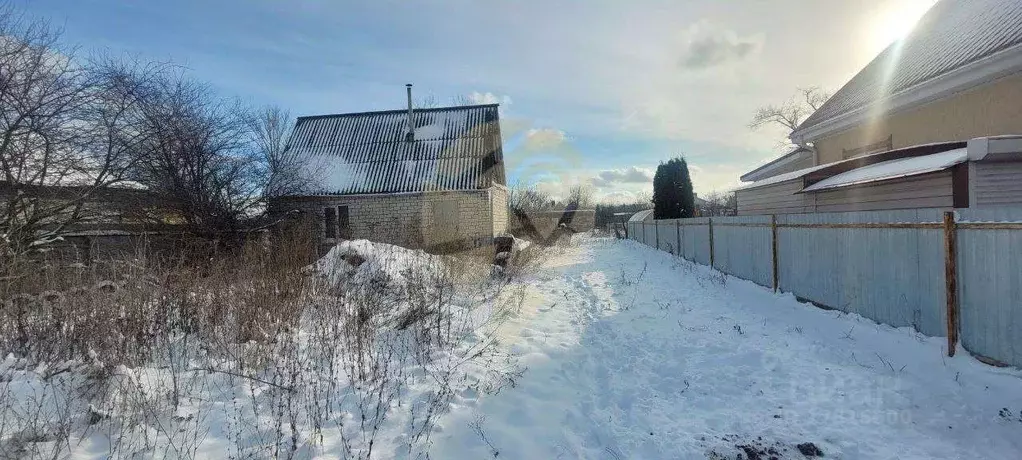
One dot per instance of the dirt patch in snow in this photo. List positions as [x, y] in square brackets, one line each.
[759, 449]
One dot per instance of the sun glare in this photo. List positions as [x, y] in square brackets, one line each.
[897, 20]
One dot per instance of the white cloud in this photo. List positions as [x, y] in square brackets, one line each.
[544, 138]
[488, 98]
[631, 174]
[709, 45]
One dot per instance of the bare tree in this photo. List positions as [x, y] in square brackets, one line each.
[65, 133]
[791, 113]
[283, 171]
[580, 197]
[525, 198]
[198, 155]
[428, 101]
[721, 204]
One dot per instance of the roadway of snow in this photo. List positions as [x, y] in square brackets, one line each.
[633, 353]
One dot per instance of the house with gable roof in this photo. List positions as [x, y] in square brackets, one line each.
[932, 121]
[419, 178]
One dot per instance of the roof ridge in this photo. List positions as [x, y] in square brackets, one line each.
[382, 112]
[949, 37]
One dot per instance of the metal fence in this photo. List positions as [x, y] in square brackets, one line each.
[945, 274]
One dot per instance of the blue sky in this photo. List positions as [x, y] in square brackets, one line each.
[595, 92]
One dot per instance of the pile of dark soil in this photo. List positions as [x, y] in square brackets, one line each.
[760, 449]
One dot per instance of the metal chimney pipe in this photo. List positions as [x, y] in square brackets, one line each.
[411, 123]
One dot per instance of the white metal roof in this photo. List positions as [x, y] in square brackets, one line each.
[893, 169]
[785, 177]
[641, 216]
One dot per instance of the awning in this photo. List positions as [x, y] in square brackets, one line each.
[892, 169]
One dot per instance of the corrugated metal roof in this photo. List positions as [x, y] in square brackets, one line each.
[454, 148]
[952, 34]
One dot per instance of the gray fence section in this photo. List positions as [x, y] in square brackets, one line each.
[891, 275]
[667, 236]
[990, 285]
[743, 247]
[695, 239]
[894, 274]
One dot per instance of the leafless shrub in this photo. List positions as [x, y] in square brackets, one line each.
[136, 351]
[718, 278]
[523, 198]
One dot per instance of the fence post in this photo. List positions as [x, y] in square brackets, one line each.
[711, 243]
[951, 281]
[773, 246]
[644, 239]
[677, 229]
[656, 234]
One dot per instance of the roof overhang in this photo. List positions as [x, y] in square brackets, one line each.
[815, 174]
[767, 170]
[892, 169]
[990, 68]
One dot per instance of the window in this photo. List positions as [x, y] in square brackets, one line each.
[343, 224]
[330, 217]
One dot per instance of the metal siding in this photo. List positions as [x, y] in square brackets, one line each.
[997, 183]
[931, 190]
[780, 198]
[990, 285]
[457, 156]
[744, 252]
[893, 276]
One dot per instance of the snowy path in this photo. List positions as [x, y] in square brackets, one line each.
[632, 353]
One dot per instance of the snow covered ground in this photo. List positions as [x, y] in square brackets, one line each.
[633, 353]
[630, 353]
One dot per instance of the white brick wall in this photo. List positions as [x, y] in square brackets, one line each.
[498, 197]
[415, 220]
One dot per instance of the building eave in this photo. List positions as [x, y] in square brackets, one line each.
[988, 69]
[763, 171]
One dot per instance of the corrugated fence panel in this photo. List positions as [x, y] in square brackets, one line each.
[990, 285]
[649, 234]
[667, 235]
[695, 240]
[891, 275]
[744, 251]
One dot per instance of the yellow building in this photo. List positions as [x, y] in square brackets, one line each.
[956, 77]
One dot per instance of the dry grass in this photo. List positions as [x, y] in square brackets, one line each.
[153, 356]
